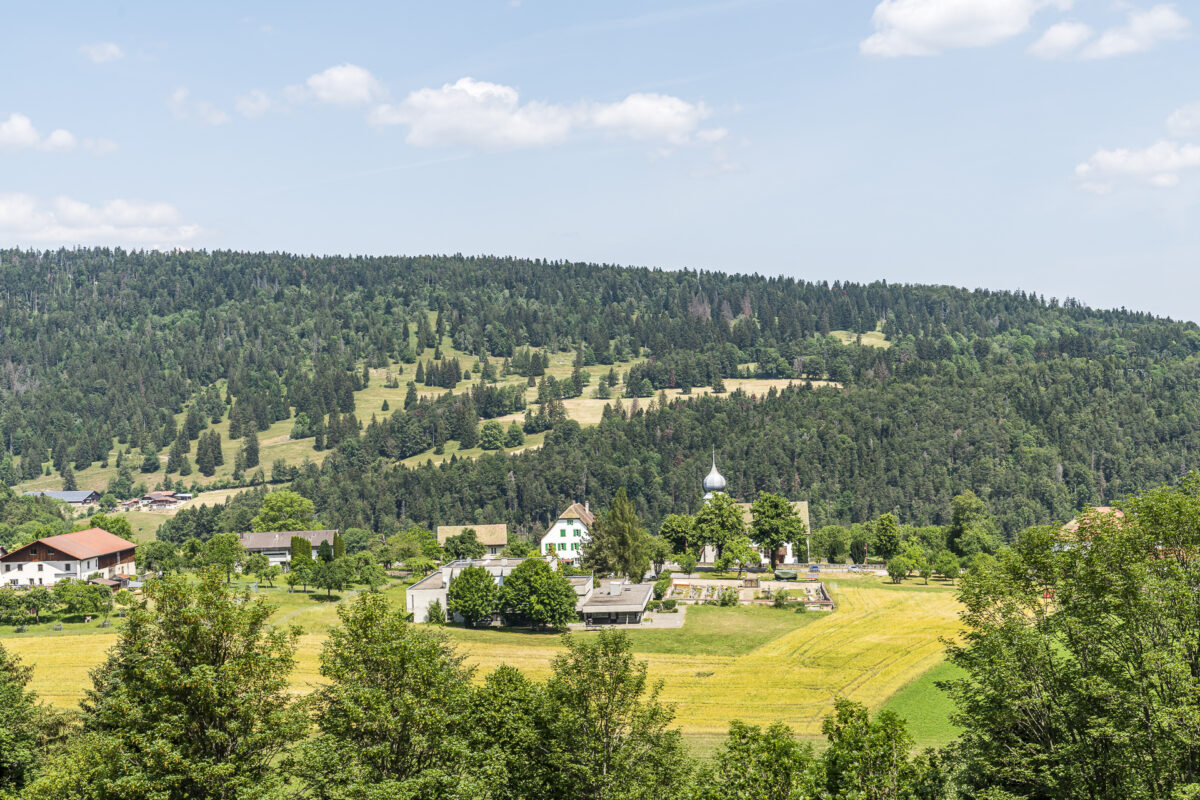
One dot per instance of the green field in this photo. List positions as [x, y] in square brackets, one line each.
[927, 708]
[759, 664]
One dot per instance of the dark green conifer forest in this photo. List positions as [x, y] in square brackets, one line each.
[1037, 406]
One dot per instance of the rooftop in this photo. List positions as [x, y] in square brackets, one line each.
[580, 512]
[67, 497]
[282, 540]
[79, 544]
[619, 597]
[489, 535]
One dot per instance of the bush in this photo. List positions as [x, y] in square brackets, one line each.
[728, 597]
[669, 605]
[436, 615]
[801, 608]
[661, 586]
[781, 599]
[654, 605]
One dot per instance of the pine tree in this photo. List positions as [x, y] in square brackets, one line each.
[250, 449]
[339, 546]
[205, 462]
[68, 479]
[420, 378]
[174, 458]
[385, 406]
[185, 466]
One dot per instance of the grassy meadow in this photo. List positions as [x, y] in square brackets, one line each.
[881, 648]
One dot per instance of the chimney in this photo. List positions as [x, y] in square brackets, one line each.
[615, 588]
[587, 506]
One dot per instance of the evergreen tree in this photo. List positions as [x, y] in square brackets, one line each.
[68, 479]
[618, 544]
[250, 450]
[192, 700]
[339, 546]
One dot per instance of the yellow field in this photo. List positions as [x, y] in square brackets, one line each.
[879, 640]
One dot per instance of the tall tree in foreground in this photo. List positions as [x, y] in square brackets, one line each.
[610, 735]
[392, 720]
[617, 543]
[192, 702]
[1082, 674]
[26, 726]
[536, 595]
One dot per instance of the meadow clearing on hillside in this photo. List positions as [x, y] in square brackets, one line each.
[752, 663]
[276, 444]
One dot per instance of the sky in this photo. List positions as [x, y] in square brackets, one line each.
[1045, 145]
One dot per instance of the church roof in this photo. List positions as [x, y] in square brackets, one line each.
[714, 481]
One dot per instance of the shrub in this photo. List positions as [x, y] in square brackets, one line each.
[436, 615]
[801, 608]
[728, 597]
[669, 605]
[781, 599]
[661, 586]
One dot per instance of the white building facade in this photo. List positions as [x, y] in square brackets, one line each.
[569, 533]
[74, 556]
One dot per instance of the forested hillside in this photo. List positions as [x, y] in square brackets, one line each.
[1037, 406]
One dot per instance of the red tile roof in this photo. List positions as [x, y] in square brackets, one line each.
[80, 544]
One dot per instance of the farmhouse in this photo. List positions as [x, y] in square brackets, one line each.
[161, 501]
[493, 537]
[277, 545]
[569, 533]
[82, 498]
[71, 555]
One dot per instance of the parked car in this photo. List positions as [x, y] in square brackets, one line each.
[814, 568]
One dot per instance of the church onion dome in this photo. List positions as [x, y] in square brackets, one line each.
[715, 481]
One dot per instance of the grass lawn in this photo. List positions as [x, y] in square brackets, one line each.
[927, 708]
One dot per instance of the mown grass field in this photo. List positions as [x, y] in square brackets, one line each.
[927, 708]
[881, 648]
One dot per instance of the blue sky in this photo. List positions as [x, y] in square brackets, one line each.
[1047, 145]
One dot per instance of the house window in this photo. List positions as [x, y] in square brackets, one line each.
[39, 567]
[33, 551]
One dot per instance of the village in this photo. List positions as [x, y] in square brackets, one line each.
[99, 557]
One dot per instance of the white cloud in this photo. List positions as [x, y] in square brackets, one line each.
[1061, 40]
[652, 116]
[346, 85]
[1143, 31]
[492, 116]
[1185, 122]
[927, 27]
[478, 113]
[102, 52]
[25, 220]
[254, 103]
[18, 133]
[184, 107]
[1159, 165]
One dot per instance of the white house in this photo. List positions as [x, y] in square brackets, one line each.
[70, 555]
[277, 545]
[569, 533]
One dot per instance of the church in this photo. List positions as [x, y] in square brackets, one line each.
[714, 483]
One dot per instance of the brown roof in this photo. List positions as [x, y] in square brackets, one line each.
[580, 512]
[80, 544]
[282, 540]
[488, 535]
[1095, 513]
[799, 506]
